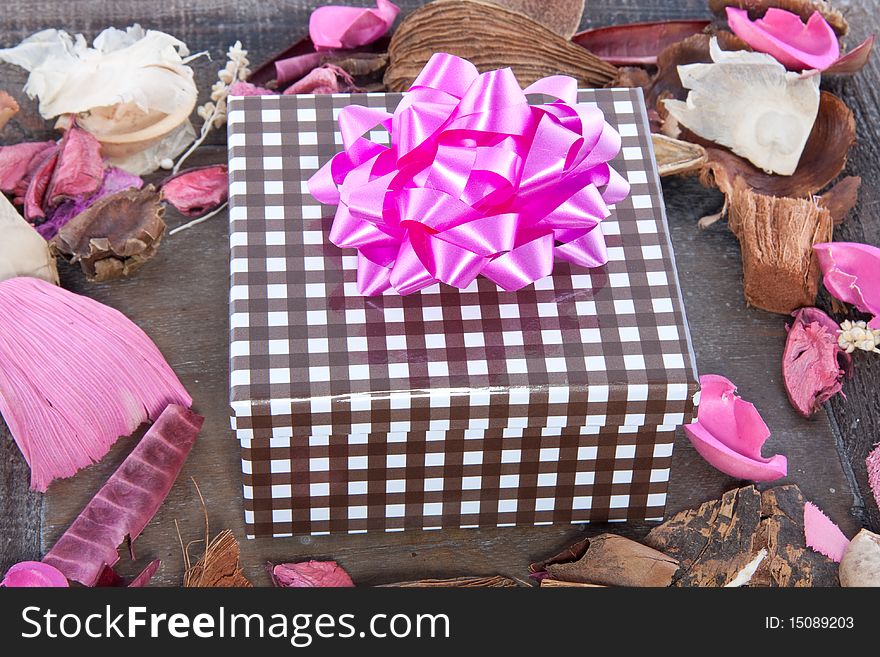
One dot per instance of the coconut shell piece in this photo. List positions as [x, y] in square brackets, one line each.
[491, 37]
[824, 157]
[8, 108]
[219, 566]
[776, 235]
[636, 43]
[564, 18]
[115, 236]
[803, 8]
[860, 565]
[676, 157]
[609, 560]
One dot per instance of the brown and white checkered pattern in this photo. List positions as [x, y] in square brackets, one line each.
[313, 364]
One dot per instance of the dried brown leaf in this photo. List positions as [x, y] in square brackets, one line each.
[776, 236]
[495, 581]
[564, 18]
[676, 157]
[610, 560]
[842, 198]
[491, 37]
[115, 236]
[636, 43]
[803, 8]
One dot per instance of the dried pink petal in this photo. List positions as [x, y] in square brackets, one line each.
[129, 499]
[729, 433]
[34, 574]
[328, 79]
[853, 61]
[873, 465]
[35, 196]
[307, 574]
[80, 169]
[783, 35]
[194, 192]
[293, 68]
[74, 376]
[247, 89]
[636, 43]
[822, 535]
[335, 26]
[16, 159]
[811, 361]
[852, 274]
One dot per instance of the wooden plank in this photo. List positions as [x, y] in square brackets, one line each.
[180, 299]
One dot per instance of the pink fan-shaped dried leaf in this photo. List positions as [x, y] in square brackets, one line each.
[335, 26]
[852, 274]
[129, 499]
[822, 535]
[310, 574]
[783, 35]
[729, 433]
[811, 361]
[74, 376]
[28, 574]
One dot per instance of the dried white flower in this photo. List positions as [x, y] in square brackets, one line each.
[213, 112]
[857, 335]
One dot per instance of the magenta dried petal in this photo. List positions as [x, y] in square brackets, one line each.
[293, 68]
[852, 274]
[15, 160]
[729, 433]
[810, 367]
[35, 196]
[335, 26]
[129, 499]
[74, 376]
[34, 574]
[80, 169]
[196, 191]
[822, 535]
[783, 35]
[308, 574]
[327, 79]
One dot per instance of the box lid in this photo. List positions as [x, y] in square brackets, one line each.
[309, 356]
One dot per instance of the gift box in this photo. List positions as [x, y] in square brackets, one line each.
[447, 407]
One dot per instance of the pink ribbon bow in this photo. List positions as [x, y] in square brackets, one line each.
[475, 181]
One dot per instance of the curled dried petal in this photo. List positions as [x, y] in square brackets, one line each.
[195, 192]
[335, 26]
[310, 574]
[811, 362]
[17, 162]
[34, 574]
[852, 274]
[803, 8]
[729, 433]
[792, 43]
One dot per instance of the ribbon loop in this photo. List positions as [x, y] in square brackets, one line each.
[476, 181]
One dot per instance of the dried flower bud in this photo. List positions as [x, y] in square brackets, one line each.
[857, 335]
[226, 76]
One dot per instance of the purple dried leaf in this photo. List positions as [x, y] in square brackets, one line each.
[129, 499]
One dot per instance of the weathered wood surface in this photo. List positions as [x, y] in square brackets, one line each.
[180, 299]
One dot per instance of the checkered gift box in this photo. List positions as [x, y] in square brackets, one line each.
[446, 407]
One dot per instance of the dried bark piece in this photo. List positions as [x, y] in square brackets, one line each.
[637, 43]
[715, 541]
[632, 76]
[610, 560]
[824, 157]
[776, 236]
[491, 37]
[803, 8]
[8, 108]
[494, 581]
[677, 157]
[115, 236]
[860, 565]
[219, 566]
[564, 18]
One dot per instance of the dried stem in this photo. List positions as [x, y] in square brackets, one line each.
[196, 222]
